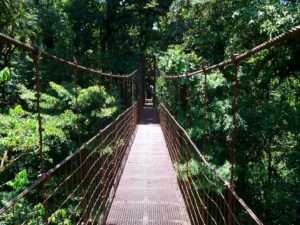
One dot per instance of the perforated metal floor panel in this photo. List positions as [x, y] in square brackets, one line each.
[148, 193]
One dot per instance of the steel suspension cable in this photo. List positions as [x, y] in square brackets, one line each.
[172, 128]
[82, 164]
[293, 32]
[205, 193]
[173, 148]
[107, 176]
[95, 203]
[57, 168]
[214, 184]
[32, 49]
[79, 179]
[187, 140]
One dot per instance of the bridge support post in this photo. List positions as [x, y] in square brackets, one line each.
[206, 137]
[233, 136]
[36, 59]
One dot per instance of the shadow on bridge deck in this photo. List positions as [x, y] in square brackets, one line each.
[148, 114]
[148, 193]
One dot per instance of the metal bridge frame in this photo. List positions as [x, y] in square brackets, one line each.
[95, 168]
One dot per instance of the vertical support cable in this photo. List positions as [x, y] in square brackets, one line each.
[81, 154]
[132, 89]
[75, 79]
[36, 58]
[206, 135]
[233, 134]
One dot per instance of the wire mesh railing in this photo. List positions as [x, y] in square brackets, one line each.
[80, 189]
[210, 200]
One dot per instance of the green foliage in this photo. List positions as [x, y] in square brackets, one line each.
[176, 61]
[268, 103]
[95, 106]
[187, 169]
[4, 74]
[18, 131]
[20, 181]
[203, 176]
[24, 210]
[19, 20]
[96, 95]
[63, 119]
[18, 127]
[61, 98]
[120, 36]
[107, 150]
[60, 217]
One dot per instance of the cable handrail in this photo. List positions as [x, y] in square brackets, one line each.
[44, 177]
[36, 50]
[239, 57]
[199, 154]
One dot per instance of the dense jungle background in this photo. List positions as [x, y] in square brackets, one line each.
[158, 37]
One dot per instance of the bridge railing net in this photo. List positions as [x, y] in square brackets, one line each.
[207, 195]
[80, 189]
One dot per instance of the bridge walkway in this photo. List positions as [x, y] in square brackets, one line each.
[148, 193]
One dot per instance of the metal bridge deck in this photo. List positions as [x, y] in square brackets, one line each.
[148, 193]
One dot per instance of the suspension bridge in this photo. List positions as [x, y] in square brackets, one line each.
[143, 168]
